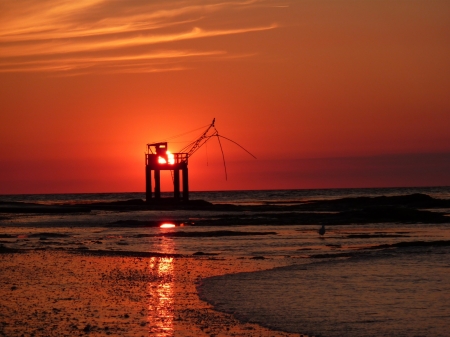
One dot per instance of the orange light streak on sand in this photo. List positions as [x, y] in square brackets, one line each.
[161, 307]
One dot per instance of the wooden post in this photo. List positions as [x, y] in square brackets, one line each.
[176, 184]
[148, 183]
[157, 184]
[185, 184]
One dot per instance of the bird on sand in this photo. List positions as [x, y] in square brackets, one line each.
[322, 230]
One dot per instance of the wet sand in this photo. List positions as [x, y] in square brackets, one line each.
[52, 293]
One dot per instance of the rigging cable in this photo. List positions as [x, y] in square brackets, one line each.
[182, 134]
[206, 150]
[223, 157]
[237, 145]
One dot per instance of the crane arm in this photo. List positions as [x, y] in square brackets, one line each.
[195, 145]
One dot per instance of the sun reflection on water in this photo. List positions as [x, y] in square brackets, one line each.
[167, 225]
[161, 306]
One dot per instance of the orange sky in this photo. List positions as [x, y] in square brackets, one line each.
[326, 93]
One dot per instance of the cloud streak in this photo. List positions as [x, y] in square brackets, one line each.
[130, 61]
[60, 35]
[63, 47]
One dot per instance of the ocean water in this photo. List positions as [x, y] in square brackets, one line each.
[341, 284]
[402, 292]
[236, 197]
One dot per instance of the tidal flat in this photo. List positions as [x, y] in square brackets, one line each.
[56, 293]
[108, 268]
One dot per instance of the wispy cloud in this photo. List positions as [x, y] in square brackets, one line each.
[61, 35]
[62, 46]
[106, 62]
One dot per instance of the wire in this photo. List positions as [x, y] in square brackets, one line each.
[237, 145]
[223, 157]
[182, 134]
[206, 150]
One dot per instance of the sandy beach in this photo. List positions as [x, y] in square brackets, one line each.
[51, 293]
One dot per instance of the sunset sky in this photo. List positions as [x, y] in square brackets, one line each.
[325, 93]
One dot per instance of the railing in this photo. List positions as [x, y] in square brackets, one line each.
[180, 157]
[151, 158]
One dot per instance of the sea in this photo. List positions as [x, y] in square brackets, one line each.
[356, 280]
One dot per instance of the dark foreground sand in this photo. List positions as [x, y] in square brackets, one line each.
[52, 293]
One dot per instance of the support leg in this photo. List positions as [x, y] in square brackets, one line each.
[157, 184]
[185, 184]
[148, 184]
[176, 184]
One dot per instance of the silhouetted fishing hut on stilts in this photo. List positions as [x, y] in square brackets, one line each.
[158, 158]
